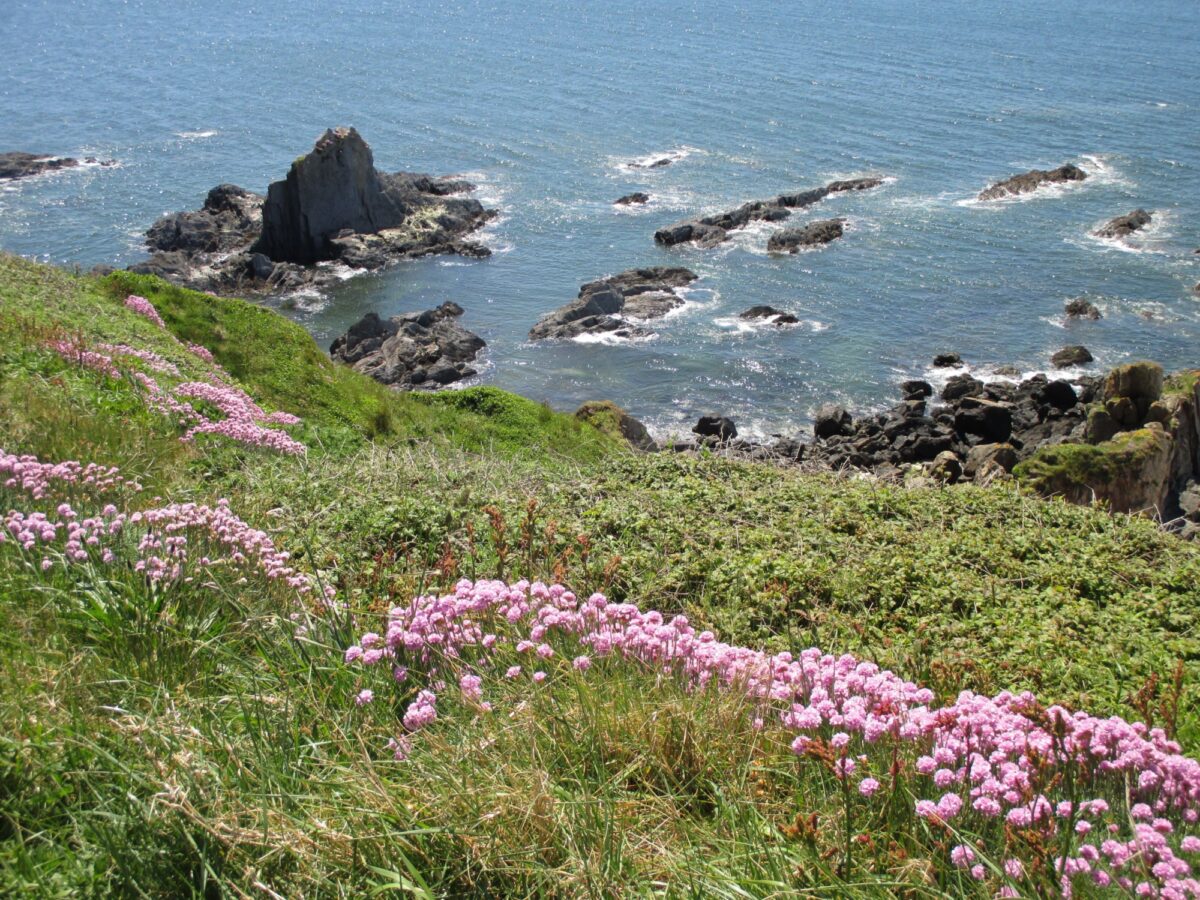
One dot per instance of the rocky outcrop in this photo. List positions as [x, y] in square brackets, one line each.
[814, 234]
[1123, 226]
[424, 351]
[334, 206]
[708, 231]
[615, 305]
[1031, 181]
[947, 361]
[16, 164]
[1141, 449]
[774, 316]
[637, 198]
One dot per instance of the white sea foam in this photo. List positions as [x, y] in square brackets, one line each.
[646, 163]
[611, 339]
[197, 135]
[340, 270]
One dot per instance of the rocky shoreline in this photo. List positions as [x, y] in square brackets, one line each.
[334, 207]
[1130, 438]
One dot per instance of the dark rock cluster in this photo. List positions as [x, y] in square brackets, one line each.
[1031, 181]
[615, 305]
[814, 234]
[333, 206]
[16, 164]
[424, 351]
[709, 231]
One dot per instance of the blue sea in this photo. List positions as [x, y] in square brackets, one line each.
[545, 105]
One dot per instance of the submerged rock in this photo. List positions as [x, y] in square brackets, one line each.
[334, 206]
[791, 240]
[708, 231]
[425, 350]
[16, 164]
[1082, 308]
[1123, 226]
[608, 305]
[1031, 181]
[636, 198]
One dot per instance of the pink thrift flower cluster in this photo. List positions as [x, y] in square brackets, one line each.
[992, 766]
[38, 479]
[241, 419]
[144, 307]
[203, 352]
[163, 543]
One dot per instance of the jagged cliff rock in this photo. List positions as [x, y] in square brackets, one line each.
[333, 205]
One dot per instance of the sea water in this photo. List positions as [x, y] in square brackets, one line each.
[547, 106]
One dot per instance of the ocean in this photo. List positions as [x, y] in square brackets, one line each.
[547, 105]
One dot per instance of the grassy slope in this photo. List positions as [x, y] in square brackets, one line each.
[172, 749]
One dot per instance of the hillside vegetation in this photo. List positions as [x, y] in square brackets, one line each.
[212, 699]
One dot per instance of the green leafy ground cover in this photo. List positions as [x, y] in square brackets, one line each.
[183, 743]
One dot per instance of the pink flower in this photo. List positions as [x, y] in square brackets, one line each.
[364, 697]
[582, 663]
[539, 677]
[868, 786]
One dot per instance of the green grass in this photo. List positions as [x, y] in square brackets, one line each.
[184, 743]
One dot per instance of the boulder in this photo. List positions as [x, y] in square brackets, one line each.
[1074, 355]
[947, 361]
[604, 306]
[708, 231]
[612, 419]
[960, 386]
[988, 419]
[791, 240]
[1081, 308]
[831, 420]
[424, 350]
[1031, 181]
[637, 198]
[1058, 394]
[1123, 226]
[984, 456]
[916, 390]
[777, 316]
[719, 427]
[946, 467]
